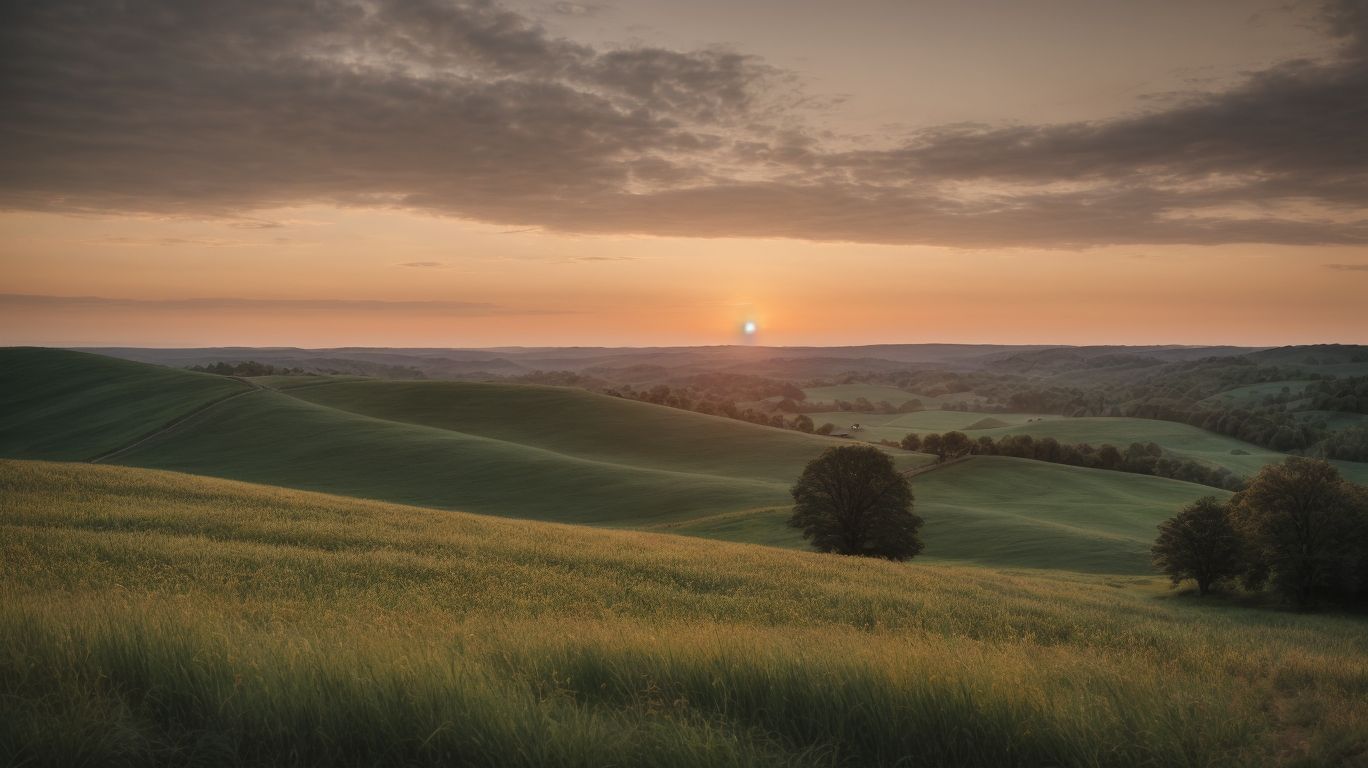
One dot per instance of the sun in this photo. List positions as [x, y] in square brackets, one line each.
[749, 328]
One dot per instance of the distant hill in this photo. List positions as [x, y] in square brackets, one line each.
[778, 362]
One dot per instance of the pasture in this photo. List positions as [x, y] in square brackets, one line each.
[875, 393]
[158, 617]
[569, 456]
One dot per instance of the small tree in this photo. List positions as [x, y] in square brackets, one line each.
[826, 429]
[1199, 543]
[803, 423]
[852, 501]
[911, 442]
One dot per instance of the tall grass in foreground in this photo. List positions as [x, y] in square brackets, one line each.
[153, 618]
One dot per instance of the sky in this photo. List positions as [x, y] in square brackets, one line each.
[649, 172]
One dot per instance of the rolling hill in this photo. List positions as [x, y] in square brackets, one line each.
[1182, 440]
[566, 455]
[270, 437]
[56, 404]
[582, 424]
[165, 618]
[1002, 511]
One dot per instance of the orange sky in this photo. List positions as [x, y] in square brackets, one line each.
[524, 173]
[549, 289]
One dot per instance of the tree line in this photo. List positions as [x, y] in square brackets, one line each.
[246, 368]
[1138, 458]
[1183, 392]
[1299, 529]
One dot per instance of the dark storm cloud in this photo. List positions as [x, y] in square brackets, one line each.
[462, 308]
[467, 109]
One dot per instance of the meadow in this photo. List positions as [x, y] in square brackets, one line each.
[566, 455]
[875, 393]
[74, 406]
[155, 617]
[1181, 440]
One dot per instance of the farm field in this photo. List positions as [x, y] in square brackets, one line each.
[159, 616]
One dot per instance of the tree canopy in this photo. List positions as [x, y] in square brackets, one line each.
[1199, 543]
[851, 500]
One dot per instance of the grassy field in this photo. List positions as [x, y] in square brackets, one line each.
[578, 423]
[896, 426]
[1003, 512]
[312, 447]
[270, 437]
[72, 405]
[1182, 440]
[1254, 394]
[160, 618]
[569, 456]
[878, 392]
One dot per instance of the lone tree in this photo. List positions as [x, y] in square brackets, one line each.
[1199, 543]
[852, 501]
[1303, 524]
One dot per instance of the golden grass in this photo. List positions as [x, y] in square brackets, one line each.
[155, 617]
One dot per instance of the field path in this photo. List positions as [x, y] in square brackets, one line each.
[922, 470]
[177, 422]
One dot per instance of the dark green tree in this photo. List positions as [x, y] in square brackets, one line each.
[1199, 543]
[911, 442]
[954, 445]
[1303, 524]
[852, 501]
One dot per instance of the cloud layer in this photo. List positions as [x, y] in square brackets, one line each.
[470, 110]
[458, 308]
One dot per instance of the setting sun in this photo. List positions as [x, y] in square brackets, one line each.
[382, 383]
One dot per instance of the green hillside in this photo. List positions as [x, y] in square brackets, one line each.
[895, 426]
[1004, 511]
[875, 393]
[1182, 440]
[161, 618]
[56, 404]
[1000, 511]
[583, 424]
[990, 510]
[1254, 394]
[570, 456]
[270, 437]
